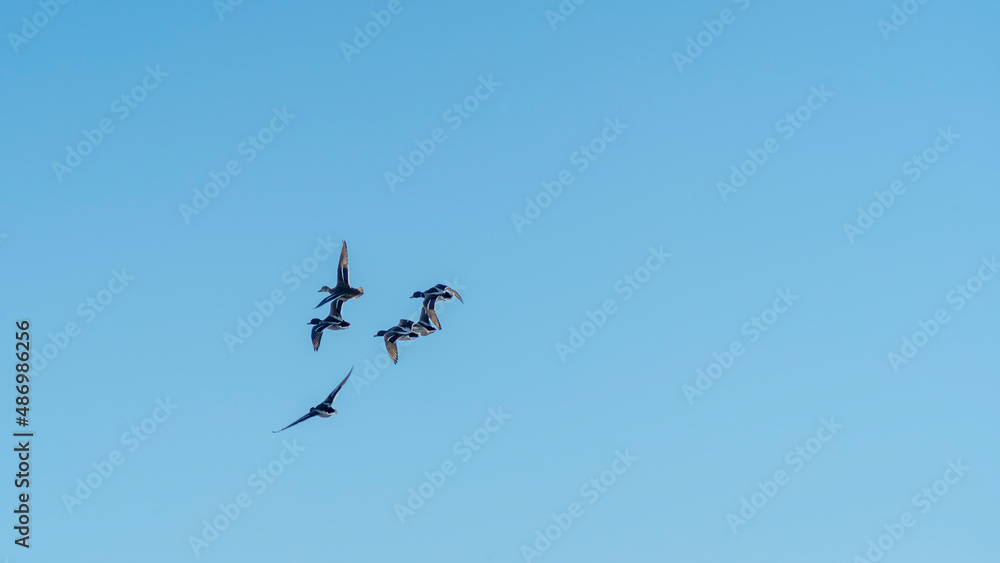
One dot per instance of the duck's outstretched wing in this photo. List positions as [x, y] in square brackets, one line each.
[306, 417]
[425, 318]
[429, 303]
[343, 279]
[317, 335]
[390, 346]
[455, 293]
[333, 396]
[335, 309]
[327, 299]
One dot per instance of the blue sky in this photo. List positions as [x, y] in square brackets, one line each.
[173, 171]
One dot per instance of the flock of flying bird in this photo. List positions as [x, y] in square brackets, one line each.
[405, 329]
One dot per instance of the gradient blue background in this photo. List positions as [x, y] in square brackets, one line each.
[451, 222]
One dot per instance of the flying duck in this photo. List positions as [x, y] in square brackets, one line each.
[402, 331]
[333, 321]
[343, 289]
[432, 295]
[324, 409]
